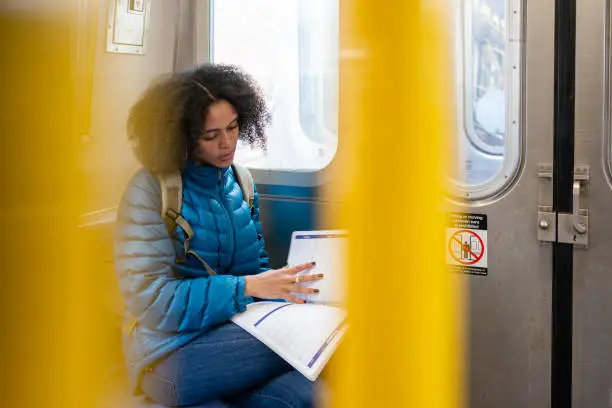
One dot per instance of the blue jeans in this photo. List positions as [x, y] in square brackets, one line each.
[227, 363]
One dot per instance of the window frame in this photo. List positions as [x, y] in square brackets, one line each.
[514, 73]
[606, 156]
[297, 178]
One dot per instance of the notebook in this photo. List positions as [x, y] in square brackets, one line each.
[328, 250]
[306, 335]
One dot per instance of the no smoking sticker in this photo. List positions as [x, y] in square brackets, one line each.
[466, 248]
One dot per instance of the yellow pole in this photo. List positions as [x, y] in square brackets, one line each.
[49, 343]
[403, 348]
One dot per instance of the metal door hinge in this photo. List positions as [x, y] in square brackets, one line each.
[572, 228]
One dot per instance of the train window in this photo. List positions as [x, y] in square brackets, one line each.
[293, 54]
[489, 88]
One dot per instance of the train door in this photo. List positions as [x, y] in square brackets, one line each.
[592, 199]
[505, 60]
[536, 193]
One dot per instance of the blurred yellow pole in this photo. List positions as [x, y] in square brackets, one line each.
[49, 342]
[403, 348]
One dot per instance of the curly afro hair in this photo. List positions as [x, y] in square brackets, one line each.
[169, 117]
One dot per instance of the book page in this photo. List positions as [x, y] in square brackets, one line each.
[328, 250]
[303, 335]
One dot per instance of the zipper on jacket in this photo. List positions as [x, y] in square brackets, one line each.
[219, 175]
[228, 214]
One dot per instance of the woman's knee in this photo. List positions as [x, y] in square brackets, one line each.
[175, 392]
[288, 390]
[160, 389]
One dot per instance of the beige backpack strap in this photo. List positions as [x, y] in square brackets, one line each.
[206, 265]
[245, 181]
[171, 185]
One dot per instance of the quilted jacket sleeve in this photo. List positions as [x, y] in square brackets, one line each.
[264, 258]
[144, 262]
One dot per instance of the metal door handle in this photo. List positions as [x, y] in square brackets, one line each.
[579, 227]
[564, 227]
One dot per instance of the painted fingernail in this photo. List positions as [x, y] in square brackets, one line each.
[305, 301]
[316, 291]
[320, 275]
[313, 263]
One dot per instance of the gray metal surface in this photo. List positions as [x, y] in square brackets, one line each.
[510, 309]
[592, 363]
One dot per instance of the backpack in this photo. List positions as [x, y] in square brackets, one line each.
[172, 200]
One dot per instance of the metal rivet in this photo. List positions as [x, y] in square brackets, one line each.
[580, 228]
[544, 224]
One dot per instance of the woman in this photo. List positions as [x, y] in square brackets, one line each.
[184, 350]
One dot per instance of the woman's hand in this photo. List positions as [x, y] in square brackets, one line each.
[279, 283]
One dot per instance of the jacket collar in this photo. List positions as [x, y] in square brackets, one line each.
[205, 175]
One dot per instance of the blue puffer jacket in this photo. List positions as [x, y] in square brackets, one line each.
[175, 303]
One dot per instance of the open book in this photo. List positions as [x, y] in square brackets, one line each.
[305, 335]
